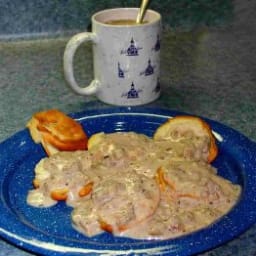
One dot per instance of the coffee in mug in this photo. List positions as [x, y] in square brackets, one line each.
[123, 22]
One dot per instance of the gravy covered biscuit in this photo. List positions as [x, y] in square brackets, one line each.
[130, 185]
[57, 132]
[192, 130]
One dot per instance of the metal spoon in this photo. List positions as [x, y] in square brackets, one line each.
[142, 11]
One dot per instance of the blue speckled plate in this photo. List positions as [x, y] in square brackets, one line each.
[49, 232]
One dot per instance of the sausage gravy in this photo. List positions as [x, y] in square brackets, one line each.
[131, 185]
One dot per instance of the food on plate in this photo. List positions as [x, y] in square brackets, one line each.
[57, 132]
[131, 185]
[95, 139]
[183, 127]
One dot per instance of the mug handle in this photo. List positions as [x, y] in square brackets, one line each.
[68, 57]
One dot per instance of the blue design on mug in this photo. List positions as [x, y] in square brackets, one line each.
[132, 93]
[120, 71]
[158, 86]
[149, 69]
[157, 44]
[132, 50]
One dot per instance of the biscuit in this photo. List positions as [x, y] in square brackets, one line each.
[57, 132]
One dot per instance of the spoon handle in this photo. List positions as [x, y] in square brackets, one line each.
[142, 11]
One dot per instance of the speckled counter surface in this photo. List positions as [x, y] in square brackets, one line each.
[209, 72]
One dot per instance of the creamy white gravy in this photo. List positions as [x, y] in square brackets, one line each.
[130, 185]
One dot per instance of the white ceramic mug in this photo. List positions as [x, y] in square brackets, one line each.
[126, 58]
